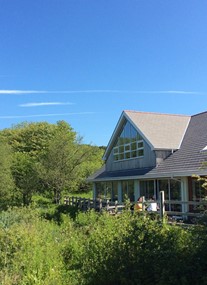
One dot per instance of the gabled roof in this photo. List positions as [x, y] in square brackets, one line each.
[186, 161]
[160, 131]
[164, 131]
[189, 157]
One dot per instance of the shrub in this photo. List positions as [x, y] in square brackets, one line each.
[30, 250]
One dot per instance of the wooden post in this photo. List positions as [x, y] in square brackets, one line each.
[94, 204]
[89, 204]
[162, 204]
[143, 203]
[107, 204]
[100, 204]
[116, 207]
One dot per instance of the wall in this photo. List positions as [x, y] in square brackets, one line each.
[148, 160]
[161, 155]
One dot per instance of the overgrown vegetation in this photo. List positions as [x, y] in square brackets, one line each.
[57, 246]
[44, 159]
[43, 243]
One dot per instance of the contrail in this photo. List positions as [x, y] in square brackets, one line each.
[45, 104]
[19, 92]
[46, 115]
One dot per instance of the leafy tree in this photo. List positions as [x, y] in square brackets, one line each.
[49, 157]
[90, 165]
[25, 177]
[6, 181]
[31, 138]
[63, 166]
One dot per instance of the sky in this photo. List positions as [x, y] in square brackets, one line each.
[85, 61]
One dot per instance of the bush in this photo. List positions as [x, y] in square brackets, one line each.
[93, 248]
[129, 249]
[30, 250]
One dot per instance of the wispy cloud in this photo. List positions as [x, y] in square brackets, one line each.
[46, 115]
[19, 92]
[16, 92]
[45, 104]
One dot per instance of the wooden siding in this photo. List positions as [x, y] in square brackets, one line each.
[148, 160]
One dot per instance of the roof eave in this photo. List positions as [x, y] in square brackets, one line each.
[201, 172]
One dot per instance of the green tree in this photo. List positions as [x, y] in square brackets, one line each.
[89, 166]
[25, 177]
[67, 163]
[31, 138]
[6, 180]
[49, 157]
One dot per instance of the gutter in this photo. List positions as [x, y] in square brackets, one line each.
[151, 176]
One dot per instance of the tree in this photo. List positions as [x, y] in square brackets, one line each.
[30, 138]
[49, 157]
[63, 167]
[28, 142]
[89, 166]
[6, 180]
[25, 177]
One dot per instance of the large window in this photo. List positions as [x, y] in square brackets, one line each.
[172, 190]
[128, 190]
[107, 190]
[147, 189]
[129, 144]
[114, 196]
[104, 190]
[199, 192]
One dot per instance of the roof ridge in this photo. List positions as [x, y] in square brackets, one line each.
[156, 113]
[204, 112]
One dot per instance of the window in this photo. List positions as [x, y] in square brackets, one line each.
[104, 190]
[172, 189]
[147, 189]
[128, 190]
[199, 192]
[129, 144]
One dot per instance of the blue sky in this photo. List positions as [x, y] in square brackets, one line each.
[84, 61]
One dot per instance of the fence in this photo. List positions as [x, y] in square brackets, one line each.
[97, 204]
[193, 209]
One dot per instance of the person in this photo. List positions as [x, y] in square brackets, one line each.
[138, 206]
[153, 207]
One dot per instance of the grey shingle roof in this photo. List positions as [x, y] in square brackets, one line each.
[190, 156]
[163, 131]
[185, 161]
[113, 175]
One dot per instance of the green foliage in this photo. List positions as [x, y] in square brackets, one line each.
[46, 159]
[31, 138]
[93, 248]
[25, 177]
[6, 180]
[30, 249]
[67, 163]
[130, 249]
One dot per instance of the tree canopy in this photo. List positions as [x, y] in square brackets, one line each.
[46, 158]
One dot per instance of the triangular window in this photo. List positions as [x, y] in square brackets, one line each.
[129, 144]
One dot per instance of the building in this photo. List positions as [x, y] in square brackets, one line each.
[152, 152]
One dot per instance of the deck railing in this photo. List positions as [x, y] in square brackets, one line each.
[174, 209]
[97, 204]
